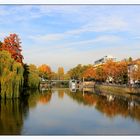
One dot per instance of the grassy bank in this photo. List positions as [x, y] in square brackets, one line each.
[117, 89]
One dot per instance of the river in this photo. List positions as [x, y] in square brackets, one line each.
[61, 111]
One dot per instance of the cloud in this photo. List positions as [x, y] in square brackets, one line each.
[106, 24]
[100, 39]
[83, 43]
[49, 37]
[101, 25]
[71, 34]
[66, 55]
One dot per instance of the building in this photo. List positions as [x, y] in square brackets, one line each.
[132, 67]
[104, 60]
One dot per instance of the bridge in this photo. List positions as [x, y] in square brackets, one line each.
[49, 83]
[55, 81]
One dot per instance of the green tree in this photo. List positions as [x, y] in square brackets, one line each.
[11, 76]
[0, 45]
[77, 72]
[34, 78]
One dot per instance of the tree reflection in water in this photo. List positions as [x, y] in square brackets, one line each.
[12, 113]
[43, 97]
[109, 104]
[61, 94]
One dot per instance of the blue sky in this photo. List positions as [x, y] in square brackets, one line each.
[67, 35]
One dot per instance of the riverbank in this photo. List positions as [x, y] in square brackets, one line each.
[117, 89]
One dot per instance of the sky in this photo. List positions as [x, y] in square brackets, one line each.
[67, 35]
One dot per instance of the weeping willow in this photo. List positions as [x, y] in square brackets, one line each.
[11, 76]
[34, 79]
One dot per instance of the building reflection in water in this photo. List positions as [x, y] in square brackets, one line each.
[13, 113]
[109, 104]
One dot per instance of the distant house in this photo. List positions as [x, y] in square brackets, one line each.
[104, 60]
[132, 66]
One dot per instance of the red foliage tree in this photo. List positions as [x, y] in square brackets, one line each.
[12, 45]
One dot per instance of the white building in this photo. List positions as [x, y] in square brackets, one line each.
[133, 66]
[104, 60]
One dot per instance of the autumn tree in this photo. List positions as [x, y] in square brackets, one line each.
[12, 44]
[100, 74]
[130, 59]
[89, 72]
[54, 75]
[11, 76]
[0, 45]
[77, 72]
[66, 76]
[110, 69]
[45, 71]
[60, 73]
[34, 79]
[122, 72]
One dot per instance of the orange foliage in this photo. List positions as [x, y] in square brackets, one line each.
[60, 73]
[45, 71]
[45, 98]
[110, 71]
[89, 72]
[12, 45]
[110, 68]
[45, 68]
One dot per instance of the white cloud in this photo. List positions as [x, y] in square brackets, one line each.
[49, 37]
[101, 25]
[101, 39]
[105, 25]
[65, 54]
[83, 43]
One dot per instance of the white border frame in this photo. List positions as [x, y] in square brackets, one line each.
[69, 1]
[105, 2]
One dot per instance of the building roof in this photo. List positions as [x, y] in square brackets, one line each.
[134, 62]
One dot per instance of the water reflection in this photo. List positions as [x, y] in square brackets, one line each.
[44, 113]
[61, 94]
[12, 114]
[36, 97]
[109, 104]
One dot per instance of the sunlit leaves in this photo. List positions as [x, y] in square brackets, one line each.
[60, 73]
[33, 79]
[11, 76]
[45, 71]
[12, 45]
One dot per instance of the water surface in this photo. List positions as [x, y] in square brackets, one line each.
[63, 112]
